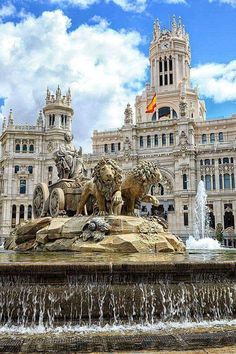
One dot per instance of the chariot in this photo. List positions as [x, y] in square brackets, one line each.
[59, 198]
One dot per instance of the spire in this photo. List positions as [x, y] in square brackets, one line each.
[10, 118]
[156, 30]
[4, 123]
[174, 25]
[40, 119]
[58, 93]
[128, 115]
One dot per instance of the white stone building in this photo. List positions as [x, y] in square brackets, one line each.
[186, 145]
[26, 158]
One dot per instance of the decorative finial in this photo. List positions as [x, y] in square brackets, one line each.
[58, 93]
[156, 30]
[180, 29]
[40, 119]
[4, 123]
[10, 118]
[174, 25]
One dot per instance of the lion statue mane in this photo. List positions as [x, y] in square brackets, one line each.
[137, 183]
[105, 187]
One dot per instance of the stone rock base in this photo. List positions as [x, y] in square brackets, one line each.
[121, 234]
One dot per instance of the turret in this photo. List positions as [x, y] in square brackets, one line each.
[57, 111]
[40, 120]
[4, 123]
[170, 57]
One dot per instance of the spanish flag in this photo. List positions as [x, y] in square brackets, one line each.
[152, 105]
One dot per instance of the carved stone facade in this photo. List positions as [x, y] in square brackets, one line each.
[27, 157]
[185, 145]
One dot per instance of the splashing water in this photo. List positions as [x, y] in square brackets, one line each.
[201, 239]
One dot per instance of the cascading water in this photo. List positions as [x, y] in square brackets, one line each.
[84, 304]
[201, 238]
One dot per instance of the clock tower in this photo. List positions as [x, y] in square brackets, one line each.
[170, 57]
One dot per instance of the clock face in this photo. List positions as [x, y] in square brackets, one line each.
[165, 45]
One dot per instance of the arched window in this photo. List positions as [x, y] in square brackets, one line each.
[163, 139]
[118, 146]
[22, 212]
[62, 119]
[53, 119]
[165, 64]
[185, 181]
[166, 112]
[221, 137]
[112, 147]
[204, 138]
[105, 148]
[221, 181]
[213, 161]
[226, 181]
[31, 148]
[201, 162]
[154, 116]
[225, 160]
[141, 141]
[29, 212]
[208, 182]
[17, 168]
[65, 119]
[161, 188]
[30, 169]
[207, 162]
[156, 139]
[50, 168]
[231, 160]
[50, 119]
[24, 149]
[13, 216]
[22, 186]
[219, 161]
[212, 137]
[17, 149]
[148, 141]
[171, 138]
[160, 65]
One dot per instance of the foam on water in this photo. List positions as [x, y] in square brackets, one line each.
[203, 243]
[135, 328]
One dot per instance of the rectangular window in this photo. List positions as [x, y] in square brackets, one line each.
[160, 66]
[171, 79]
[118, 146]
[148, 141]
[22, 186]
[156, 140]
[170, 65]
[165, 65]
[185, 181]
[185, 219]
[112, 147]
[106, 148]
[141, 141]
[166, 79]
[161, 80]
[171, 138]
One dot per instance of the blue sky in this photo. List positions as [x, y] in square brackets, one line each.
[100, 49]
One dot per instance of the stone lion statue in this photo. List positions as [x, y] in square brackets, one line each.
[136, 185]
[105, 187]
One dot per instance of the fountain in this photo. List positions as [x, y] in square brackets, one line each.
[201, 238]
[116, 281]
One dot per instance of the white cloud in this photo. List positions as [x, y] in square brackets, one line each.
[126, 5]
[104, 69]
[229, 2]
[7, 9]
[216, 81]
